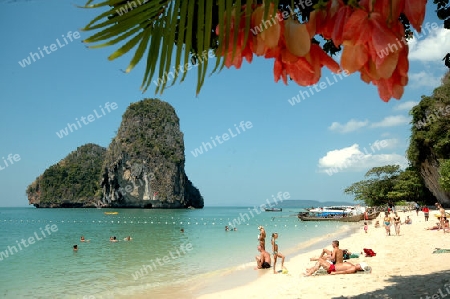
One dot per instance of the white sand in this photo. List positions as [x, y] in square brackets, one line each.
[404, 267]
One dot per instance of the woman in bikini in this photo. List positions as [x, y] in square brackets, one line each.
[397, 223]
[275, 252]
[387, 224]
[262, 237]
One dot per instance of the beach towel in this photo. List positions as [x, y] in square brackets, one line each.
[440, 250]
[369, 252]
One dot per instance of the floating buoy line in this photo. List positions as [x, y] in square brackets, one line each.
[174, 221]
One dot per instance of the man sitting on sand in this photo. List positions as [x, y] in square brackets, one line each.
[329, 255]
[263, 261]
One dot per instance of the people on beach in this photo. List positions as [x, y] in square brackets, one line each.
[335, 255]
[408, 220]
[263, 261]
[328, 264]
[366, 227]
[426, 212]
[442, 217]
[377, 224]
[262, 237]
[387, 223]
[275, 253]
[417, 209]
[397, 223]
[438, 225]
[349, 268]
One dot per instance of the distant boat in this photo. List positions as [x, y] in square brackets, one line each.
[311, 217]
[111, 213]
[273, 209]
[334, 213]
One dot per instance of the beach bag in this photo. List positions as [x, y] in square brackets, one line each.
[369, 252]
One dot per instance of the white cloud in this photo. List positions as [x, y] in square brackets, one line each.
[351, 125]
[353, 158]
[424, 79]
[430, 45]
[391, 121]
[405, 106]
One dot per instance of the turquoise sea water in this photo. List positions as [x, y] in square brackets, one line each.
[49, 268]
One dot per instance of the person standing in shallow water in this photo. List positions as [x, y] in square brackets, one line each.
[275, 253]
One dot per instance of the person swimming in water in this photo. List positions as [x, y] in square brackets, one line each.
[275, 253]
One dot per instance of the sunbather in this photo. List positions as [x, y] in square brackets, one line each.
[349, 268]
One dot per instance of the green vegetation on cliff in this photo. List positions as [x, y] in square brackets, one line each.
[428, 177]
[390, 184]
[430, 133]
[74, 179]
[151, 124]
[143, 167]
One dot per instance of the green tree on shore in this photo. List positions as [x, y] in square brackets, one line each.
[390, 184]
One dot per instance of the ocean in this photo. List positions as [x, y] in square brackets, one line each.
[37, 259]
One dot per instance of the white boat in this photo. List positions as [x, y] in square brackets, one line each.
[333, 211]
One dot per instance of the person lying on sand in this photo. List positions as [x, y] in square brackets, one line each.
[349, 268]
[262, 261]
[328, 265]
[438, 226]
[341, 268]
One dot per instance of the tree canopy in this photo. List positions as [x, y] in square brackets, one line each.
[297, 34]
[390, 184]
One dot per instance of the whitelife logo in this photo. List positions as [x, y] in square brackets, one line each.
[35, 56]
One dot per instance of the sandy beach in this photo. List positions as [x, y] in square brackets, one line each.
[404, 267]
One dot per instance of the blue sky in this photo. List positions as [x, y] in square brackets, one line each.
[288, 148]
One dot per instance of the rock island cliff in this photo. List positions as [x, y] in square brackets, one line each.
[143, 167]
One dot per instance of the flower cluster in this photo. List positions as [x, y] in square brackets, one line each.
[363, 29]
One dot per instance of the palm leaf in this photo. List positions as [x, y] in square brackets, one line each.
[169, 31]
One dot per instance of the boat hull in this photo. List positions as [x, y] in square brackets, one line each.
[274, 210]
[373, 216]
[355, 218]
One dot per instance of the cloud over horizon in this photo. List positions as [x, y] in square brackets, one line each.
[354, 158]
[350, 126]
[392, 121]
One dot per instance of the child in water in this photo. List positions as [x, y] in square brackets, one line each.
[276, 254]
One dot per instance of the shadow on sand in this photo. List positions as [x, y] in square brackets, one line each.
[414, 286]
